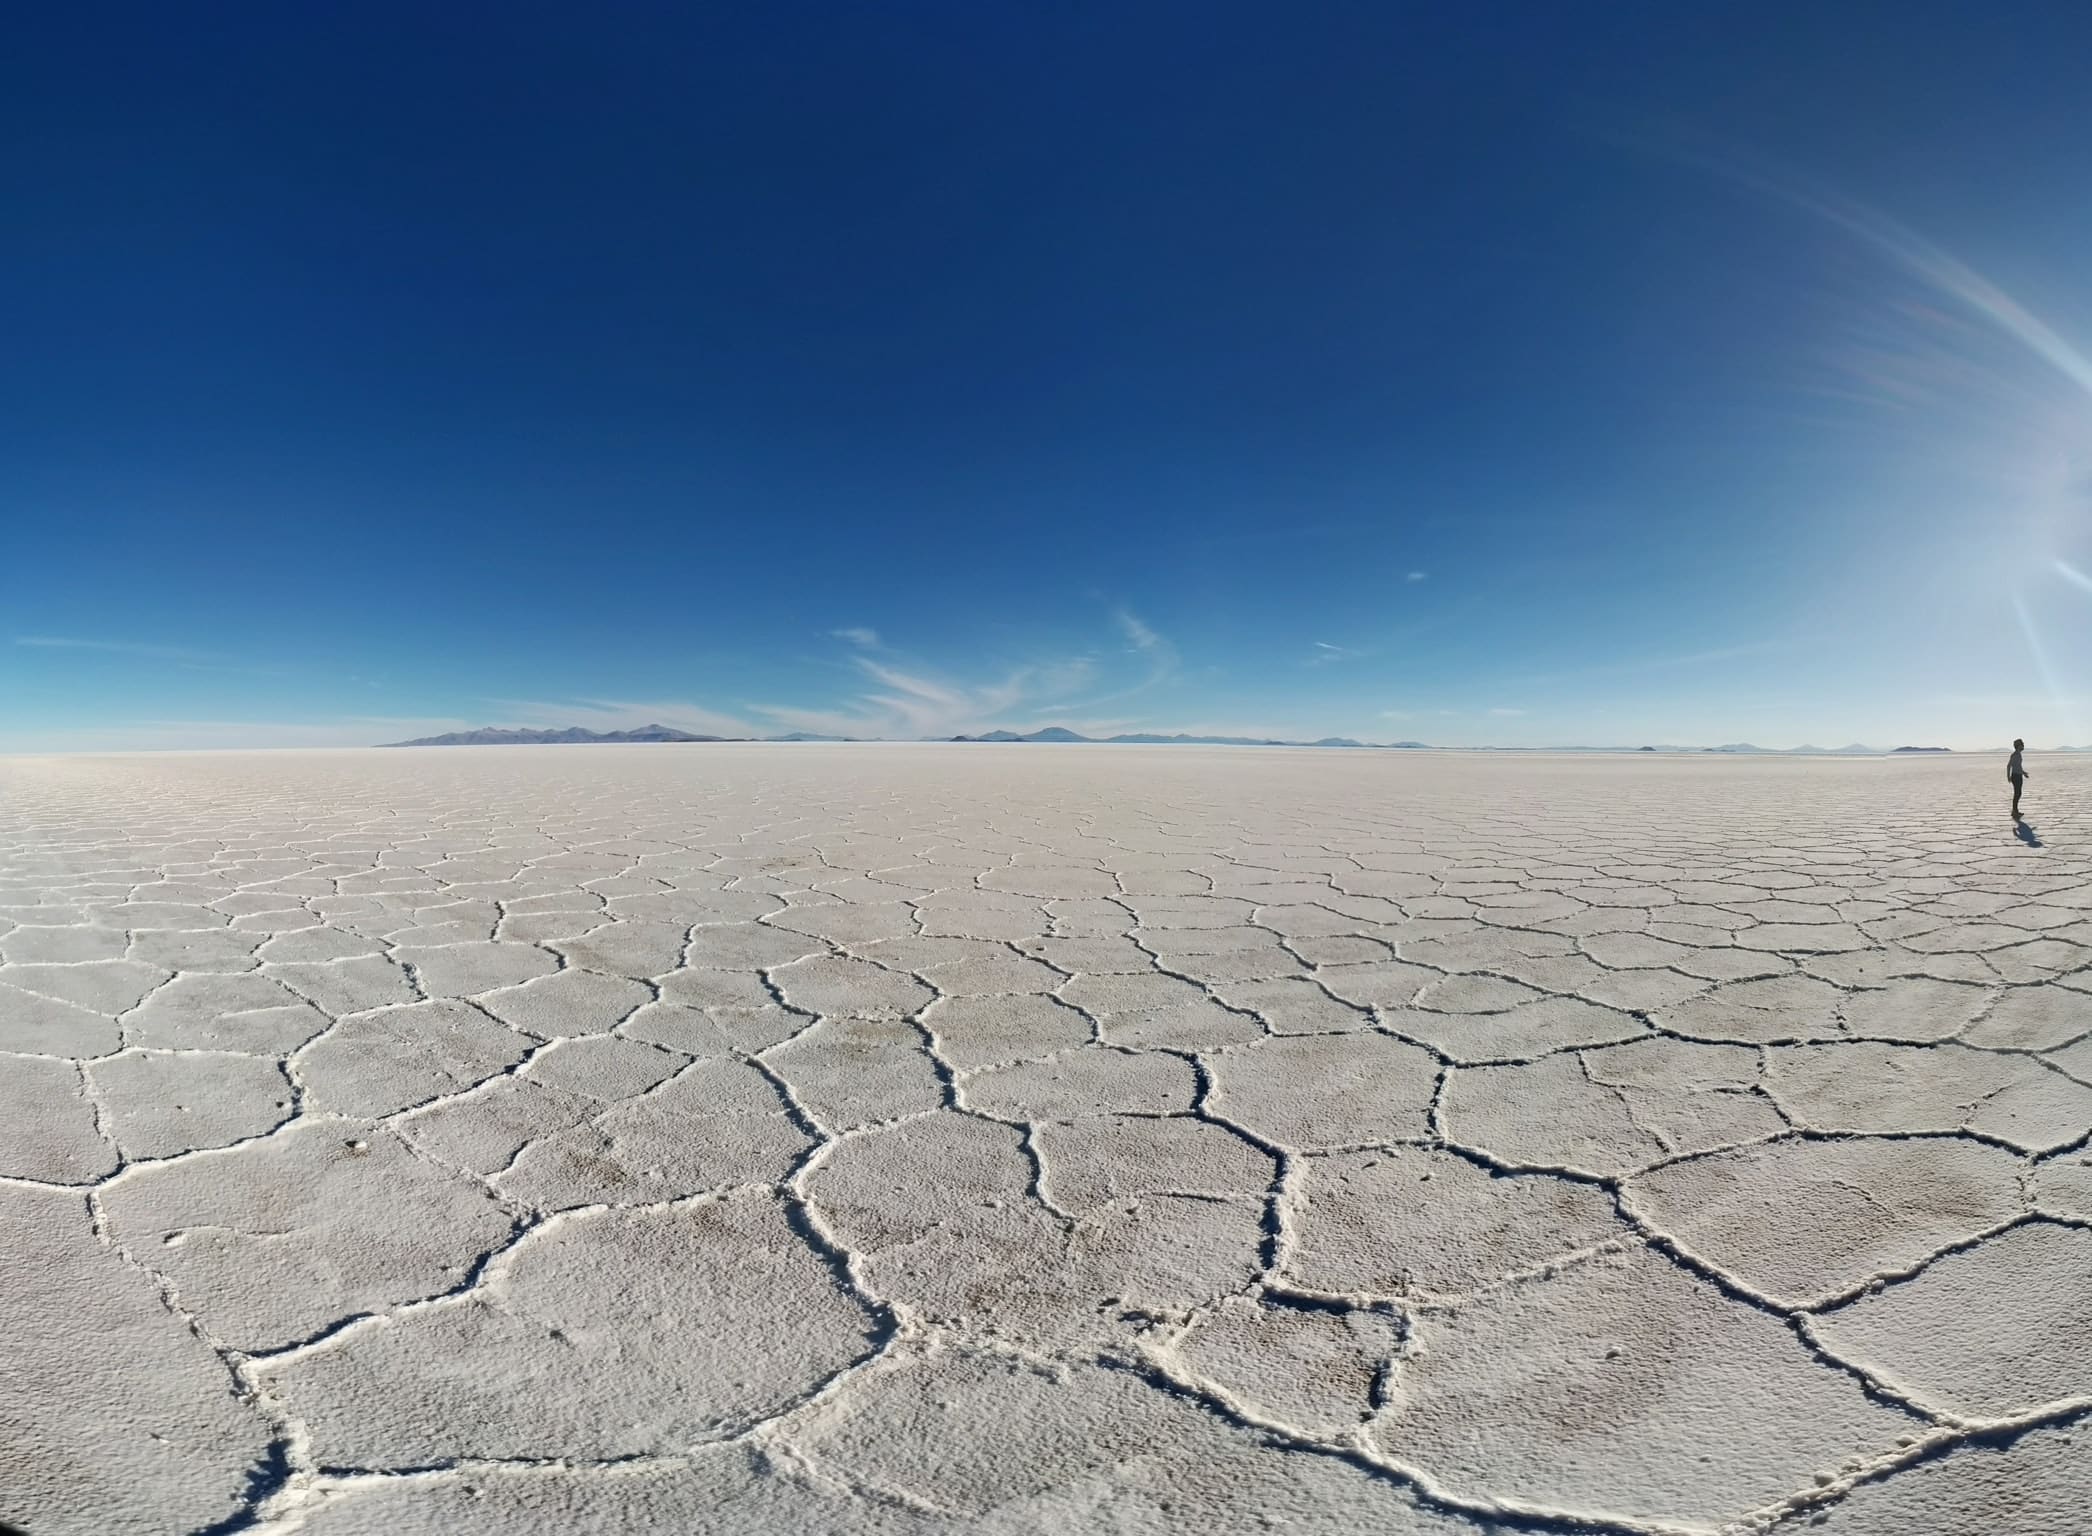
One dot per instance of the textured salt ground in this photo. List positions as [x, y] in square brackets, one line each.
[942, 1139]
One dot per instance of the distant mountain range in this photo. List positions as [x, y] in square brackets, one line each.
[498, 736]
[574, 735]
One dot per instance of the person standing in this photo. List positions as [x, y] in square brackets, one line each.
[2016, 771]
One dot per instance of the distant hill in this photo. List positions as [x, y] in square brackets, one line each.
[573, 735]
[1924, 749]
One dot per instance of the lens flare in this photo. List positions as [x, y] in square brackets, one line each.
[1945, 273]
[1958, 282]
[2066, 717]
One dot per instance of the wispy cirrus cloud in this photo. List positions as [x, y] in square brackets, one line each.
[860, 636]
[1139, 635]
[1325, 653]
[1506, 714]
[913, 701]
[910, 698]
[1151, 646]
[1417, 576]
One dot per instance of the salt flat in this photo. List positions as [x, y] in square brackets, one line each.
[949, 1139]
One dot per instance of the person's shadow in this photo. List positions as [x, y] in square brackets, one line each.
[2024, 831]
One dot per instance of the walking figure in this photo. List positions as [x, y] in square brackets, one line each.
[2016, 771]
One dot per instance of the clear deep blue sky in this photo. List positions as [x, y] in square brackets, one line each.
[1507, 373]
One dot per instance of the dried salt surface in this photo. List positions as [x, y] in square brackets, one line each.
[954, 1139]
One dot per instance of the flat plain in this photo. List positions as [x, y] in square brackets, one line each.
[940, 1139]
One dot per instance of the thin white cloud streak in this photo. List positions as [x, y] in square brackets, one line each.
[1507, 714]
[910, 702]
[1329, 653]
[1141, 637]
[925, 707]
[1416, 576]
[1162, 658]
[918, 688]
[858, 635]
[2073, 575]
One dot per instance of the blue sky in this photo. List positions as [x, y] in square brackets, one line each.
[1515, 374]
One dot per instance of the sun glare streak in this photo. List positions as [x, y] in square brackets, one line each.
[1957, 282]
[2066, 716]
[1955, 278]
[1942, 271]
